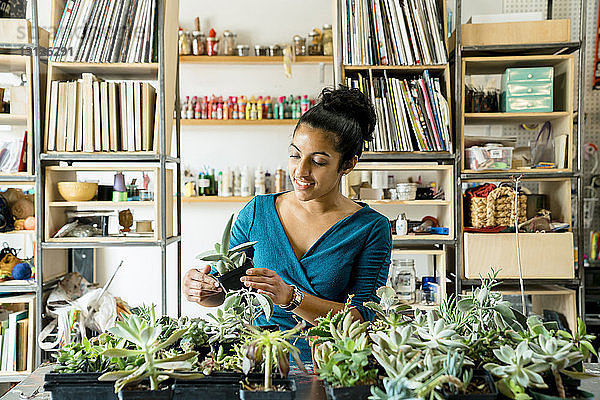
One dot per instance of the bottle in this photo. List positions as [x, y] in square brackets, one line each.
[242, 108]
[254, 112]
[204, 107]
[401, 225]
[227, 183]
[276, 110]
[279, 180]
[281, 107]
[249, 105]
[220, 109]
[198, 111]
[304, 104]
[237, 182]
[214, 105]
[234, 108]
[189, 110]
[220, 184]
[269, 108]
[259, 108]
[245, 182]
[266, 106]
[268, 182]
[259, 181]
[227, 108]
[405, 279]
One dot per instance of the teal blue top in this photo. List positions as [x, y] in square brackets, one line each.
[351, 257]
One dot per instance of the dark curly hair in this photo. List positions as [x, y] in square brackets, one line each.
[348, 115]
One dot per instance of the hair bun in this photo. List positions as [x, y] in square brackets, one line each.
[353, 104]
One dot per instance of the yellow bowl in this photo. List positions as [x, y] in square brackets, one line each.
[77, 191]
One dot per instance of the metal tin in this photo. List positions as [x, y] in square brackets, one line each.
[260, 50]
[243, 50]
[275, 50]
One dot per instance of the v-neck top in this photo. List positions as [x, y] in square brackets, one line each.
[351, 257]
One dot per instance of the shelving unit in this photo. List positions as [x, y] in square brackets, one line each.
[159, 161]
[545, 255]
[438, 164]
[234, 122]
[253, 59]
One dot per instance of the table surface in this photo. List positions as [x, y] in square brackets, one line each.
[308, 386]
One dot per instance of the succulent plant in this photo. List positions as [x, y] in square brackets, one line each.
[83, 357]
[249, 304]
[145, 336]
[437, 335]
[222, 257]
[389, 309]
[337, 326]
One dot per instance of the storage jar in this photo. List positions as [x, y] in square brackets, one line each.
[228, 45]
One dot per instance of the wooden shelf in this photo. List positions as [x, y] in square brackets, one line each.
[512, 118]
[104, 239]
[408, 202]
[21, 232]
[215, 199]
[432, 238]
[402, 68]
[252, 60]
[236, 122]
[517, 171]
[13, 63]
[101, 203]
[13, 119]
[113, 70]
[395, 166]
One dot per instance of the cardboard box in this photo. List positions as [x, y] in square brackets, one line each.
[14, 30]
[506, 33]
[18, 100]
[543, 255]
[506, 17]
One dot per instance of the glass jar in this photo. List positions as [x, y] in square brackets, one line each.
[327, 40]
[212, 46]
[315, 47]
[198, 43]
[299, 45]
[185, 48]
[243, 50]
[260, 50]
[403, 278]
[228, 45]
[275, 50]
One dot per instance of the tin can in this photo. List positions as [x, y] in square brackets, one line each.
[260, 50]
[243, 50]
[275, 50]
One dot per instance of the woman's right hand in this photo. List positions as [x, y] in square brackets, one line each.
[199, 287]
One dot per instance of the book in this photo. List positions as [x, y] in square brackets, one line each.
[13, 318]
[52, 118]
[4, 365]
[71, 116]
[22, 343]
[104, 110]
[113, 113]
[97, 117]
[131, 119]
[124, 123]
[78, 145]
[148, 110]
[137, 113]
[88, 111]
[63, 89]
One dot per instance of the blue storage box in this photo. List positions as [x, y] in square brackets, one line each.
[527, 90]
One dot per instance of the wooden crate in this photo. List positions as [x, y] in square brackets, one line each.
[55, 206]
[511, 33]
[543, 255]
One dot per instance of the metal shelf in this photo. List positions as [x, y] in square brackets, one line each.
[18, 288]
[407, 156]
[17, 178]
[521, 49]
[508, 282]
[116, 243]
[527, 174]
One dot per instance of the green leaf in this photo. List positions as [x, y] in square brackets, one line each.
[178, 334]
[266, 303]
[465, 305]
[113, 375]
[121, 353]
[588, 345]
[208, 253]
[241, 247]
[218, 248]
[226, 235]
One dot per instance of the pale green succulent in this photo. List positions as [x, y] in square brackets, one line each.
[437, 335]
[389, 310]
[144, 335]
[222, 257]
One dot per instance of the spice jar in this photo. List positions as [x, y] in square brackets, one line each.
[198, 43]
[327, 40]
[275, 50]
[228, 45]
[315, 47]
[243, 50]
[212, 43]
[184, 45]
[260, 50]
[299, 45]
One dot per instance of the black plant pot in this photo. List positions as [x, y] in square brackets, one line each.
[78, 386]
[164, 394]
[581, 395]
[361, 392]
[211, 387]
[484, 375]
[288, 394]
[231, 280]
[270, 328]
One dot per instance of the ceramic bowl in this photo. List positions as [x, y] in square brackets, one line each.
[77, 191]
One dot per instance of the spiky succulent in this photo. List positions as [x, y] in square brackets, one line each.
[222, 257]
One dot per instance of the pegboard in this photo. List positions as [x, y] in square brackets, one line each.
[570, 9]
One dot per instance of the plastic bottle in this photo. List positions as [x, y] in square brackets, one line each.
[245, 182]
[279, 180]
[220, 184]
[189, 110]
[259, 108]
[242, 108]
[227, 183]
[249, 105]
[259, 181]
[234, 108]
[237, 182]
[268, 182]
[204, 107]
[267, 108]
[304, 104]
[198, 111]
[254, 112]
[401, 225]
[220, 109]
[281, 114]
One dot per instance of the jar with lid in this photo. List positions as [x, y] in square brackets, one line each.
[198, 43]
[403, 278]
[185, 47]
[260, 50]
[299, 45]
[327, 40]
[243, 50]
[275, 50]
[315, 47]
[228, 45]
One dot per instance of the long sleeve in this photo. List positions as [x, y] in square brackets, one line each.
[371, 269]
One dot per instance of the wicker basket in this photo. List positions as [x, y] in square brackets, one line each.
[497, 208]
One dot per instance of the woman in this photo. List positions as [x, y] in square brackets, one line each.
[315, 246]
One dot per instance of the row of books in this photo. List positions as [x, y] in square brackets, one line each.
[412, 114]
[14, 338]
[92, 115]
[392, 32]
[104, 31]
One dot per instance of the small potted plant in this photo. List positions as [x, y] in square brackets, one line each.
[270, 349]
[230, 264]
[475, 384]
[155, 368]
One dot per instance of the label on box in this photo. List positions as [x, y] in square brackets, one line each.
[496, 153]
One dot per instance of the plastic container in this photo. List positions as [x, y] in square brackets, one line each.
[78, 386]
[489, 157]
[406, 191]
[361, 392]
[489, 381]
[288, 394]
[231, 280]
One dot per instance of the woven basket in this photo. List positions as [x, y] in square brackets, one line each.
[497, 208]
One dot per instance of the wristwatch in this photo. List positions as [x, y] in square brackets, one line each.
[297, 297]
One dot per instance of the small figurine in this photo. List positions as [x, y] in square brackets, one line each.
[125, 220]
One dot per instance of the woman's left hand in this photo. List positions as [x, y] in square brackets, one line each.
[268, 282]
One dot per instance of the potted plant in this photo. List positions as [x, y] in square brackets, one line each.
[475, 384]
[230, 264]
[389, 312]
[156, 368]
[270, 349]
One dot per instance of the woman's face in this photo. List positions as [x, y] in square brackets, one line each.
[313, 163]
